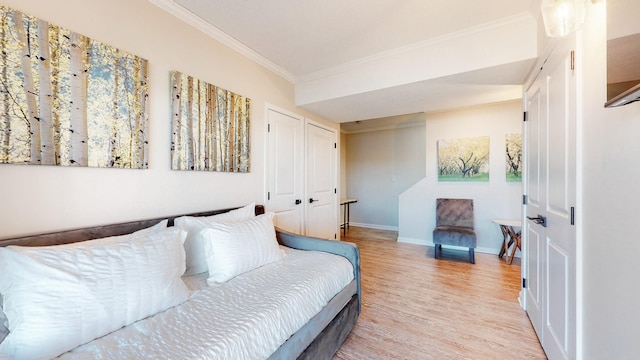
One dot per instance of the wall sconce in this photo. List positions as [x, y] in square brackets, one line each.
[562, 17]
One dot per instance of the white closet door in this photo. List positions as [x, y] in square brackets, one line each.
[321, 164]
[285, 140]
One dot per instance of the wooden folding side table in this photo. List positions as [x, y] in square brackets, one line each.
[510, 237]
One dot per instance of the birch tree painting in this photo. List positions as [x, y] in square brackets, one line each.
[67, 99]
[465, 159]
[210, 127]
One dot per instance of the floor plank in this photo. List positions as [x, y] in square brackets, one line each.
[416, 307]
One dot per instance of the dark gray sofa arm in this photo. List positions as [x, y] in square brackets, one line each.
[345, 249]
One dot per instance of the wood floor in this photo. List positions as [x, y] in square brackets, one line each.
[416, 307]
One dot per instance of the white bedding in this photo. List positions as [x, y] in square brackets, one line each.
[248, 317]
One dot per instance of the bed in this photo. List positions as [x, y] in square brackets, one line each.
[229, 319]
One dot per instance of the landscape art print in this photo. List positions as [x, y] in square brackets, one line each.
[514, 157]
[210, 127]
[464, 159]
[67, 99]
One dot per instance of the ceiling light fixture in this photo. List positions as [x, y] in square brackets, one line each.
[562, 17]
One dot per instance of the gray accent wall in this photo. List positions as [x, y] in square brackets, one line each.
[380, 165]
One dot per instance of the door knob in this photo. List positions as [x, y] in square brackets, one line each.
[540, 220]
[312, 200]
[298, 201]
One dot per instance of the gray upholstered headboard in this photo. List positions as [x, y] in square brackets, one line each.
[96, 232]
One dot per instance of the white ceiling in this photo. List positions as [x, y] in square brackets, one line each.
[364, 59]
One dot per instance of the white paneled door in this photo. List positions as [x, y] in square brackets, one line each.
[550, 187]
[302, 175]
[285, 170]
[321, 182]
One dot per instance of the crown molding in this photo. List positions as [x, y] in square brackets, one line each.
[197, 22]
[346, 67]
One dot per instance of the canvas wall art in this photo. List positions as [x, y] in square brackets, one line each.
[211, 127]
[514, 157]
[464, 159]
[67, 99]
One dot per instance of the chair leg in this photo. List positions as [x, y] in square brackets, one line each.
[472, 257]
[438, 249]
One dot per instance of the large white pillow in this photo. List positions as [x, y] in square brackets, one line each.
[237, 247]
[159, 227]
[59, 297]
[194, 245]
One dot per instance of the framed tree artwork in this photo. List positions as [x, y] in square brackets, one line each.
[514, 157]
[464, 159]
[211, 127]
[67, 99]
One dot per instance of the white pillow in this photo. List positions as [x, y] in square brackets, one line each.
[3, 318]
[193, 245]
[159, 227]
[3, 322]
[234, 248]
[59, 297]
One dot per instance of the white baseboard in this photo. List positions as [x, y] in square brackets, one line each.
[483, 250]
[373, 226]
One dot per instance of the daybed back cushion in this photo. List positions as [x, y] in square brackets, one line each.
[194, 244]
[58, 297]
[234, 248]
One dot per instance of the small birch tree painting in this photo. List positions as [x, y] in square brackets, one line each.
[514, 157]
[210, 127]
[465, 159]
[66, 99]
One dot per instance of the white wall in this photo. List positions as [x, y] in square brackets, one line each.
[37, 199]
[494, 199]
[610, 237]
[380, 166]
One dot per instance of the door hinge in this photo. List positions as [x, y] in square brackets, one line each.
[525, 116]
[335, 236]
[524, 283]
[573, 60]
[268, 127]
[573, 215]
[524, 199]
[268, 195]
[335, 145]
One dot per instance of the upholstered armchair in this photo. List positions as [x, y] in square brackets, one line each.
[454, 225]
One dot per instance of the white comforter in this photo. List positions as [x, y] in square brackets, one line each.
[248, 317]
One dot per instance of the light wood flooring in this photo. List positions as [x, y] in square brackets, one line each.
[416, 307]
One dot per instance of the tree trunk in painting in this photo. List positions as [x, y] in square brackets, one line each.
[29, 89]
[6, 133]
[113, 139]
[198, 143]
[46, 95]
[190, 123]
[177, 119]
[54, 46]
[140, 136]
[233, 119]
[79, 148]
[208, 129]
